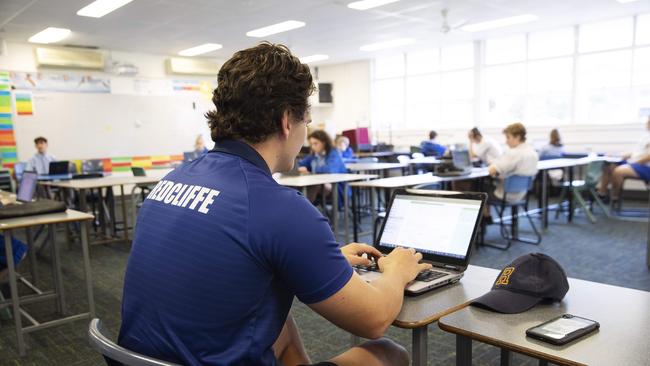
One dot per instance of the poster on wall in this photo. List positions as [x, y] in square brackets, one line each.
[202, 87]
[64, 82]
[24, 103]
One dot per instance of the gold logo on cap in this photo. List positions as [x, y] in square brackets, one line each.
[504, 278]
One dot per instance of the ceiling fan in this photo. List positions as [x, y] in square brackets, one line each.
[446, 27]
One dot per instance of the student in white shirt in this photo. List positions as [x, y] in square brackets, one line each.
[482, 147]
[40, 162]
[637, 165]
[520, 159]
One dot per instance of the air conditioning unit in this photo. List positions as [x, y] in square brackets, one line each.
[188, 66]
[59, 57]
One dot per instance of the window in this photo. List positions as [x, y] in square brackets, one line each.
[606, 35]
[505, 94]
[643, 29]
[641, 66]
[559, 42]
[458, 98]
[550, 84]
[457, 57]
[423, 101]
[503, 50]
[388, 106]
[389, 67]
[423, 62]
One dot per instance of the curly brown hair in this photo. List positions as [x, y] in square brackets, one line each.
[255, 87]
[323, 137]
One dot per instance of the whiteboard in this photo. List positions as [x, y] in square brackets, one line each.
[88, 126]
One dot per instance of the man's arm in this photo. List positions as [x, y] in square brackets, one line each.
[368, 309]
[643, 159]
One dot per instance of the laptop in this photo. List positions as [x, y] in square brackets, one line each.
[441, 225]
[461, 165]
[59, 168]
[189, 156]
[27, 187]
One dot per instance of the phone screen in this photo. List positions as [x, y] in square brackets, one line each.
[560, 327]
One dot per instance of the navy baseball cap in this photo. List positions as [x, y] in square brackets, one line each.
[524, 283]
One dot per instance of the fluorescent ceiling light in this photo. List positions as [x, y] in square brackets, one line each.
[49, 35]
[499, 23]
[388, 44]
[313, 58]
[199, 50]
[369, 4]
[626, 1]
[275, 28]
[99, 8]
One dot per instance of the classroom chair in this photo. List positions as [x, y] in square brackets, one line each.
[114, 354]
[588, 186]
[6, 182]
[513, 184]
[632, 213]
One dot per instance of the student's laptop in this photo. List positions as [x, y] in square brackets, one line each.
[58, 170]
[189, 156]
[27, 187]
[440, 225]
[461, 165]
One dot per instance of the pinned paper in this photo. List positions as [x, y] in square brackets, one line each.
[24, 103]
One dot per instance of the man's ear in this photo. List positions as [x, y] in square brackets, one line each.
[285, 124]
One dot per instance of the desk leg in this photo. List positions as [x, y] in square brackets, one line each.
[335, 208]
[570, 194]
[32, 255]
[56, 269]
[346, 218]
[463, 351]
[125, 220]
[373, 209]
[506, 357]
[355, 227]
[15, 301]
[420, 346]
[544, 200]
[86, 257]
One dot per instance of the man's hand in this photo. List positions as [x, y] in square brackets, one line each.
[404, 263]
[626, 156]
[353, 252]
[303, 170]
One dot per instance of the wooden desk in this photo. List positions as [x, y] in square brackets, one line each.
[6, 227]
[420, 311]
[308, 180]
[622, 339]
[82, 185]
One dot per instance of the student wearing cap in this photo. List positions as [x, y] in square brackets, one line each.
[520, 159]
[482, 147]
[40, 162]
[636, 165]
[431, 147]
[221, 250]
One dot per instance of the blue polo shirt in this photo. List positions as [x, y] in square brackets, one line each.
[219, 252]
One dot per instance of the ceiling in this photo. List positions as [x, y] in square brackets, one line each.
[168, 26]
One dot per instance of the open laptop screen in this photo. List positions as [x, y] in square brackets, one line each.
[434, 225]
[461, 158]
[27, 187]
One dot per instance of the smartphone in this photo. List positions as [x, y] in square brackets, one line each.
[563, 329]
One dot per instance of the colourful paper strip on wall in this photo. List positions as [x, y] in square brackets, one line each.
[24, 104]
[7, 139]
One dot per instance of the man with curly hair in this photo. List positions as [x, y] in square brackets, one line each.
[221, 250]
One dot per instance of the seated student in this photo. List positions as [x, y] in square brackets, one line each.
[484, 148]
[199, 146]
[343, 146]
[636, 165]
[324, 158]
[215, 283]
[554, 149]
[431, 147]
[520, 159]
[40, 162]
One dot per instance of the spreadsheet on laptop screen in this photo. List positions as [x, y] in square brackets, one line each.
[434, 225]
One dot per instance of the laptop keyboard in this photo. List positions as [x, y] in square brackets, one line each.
[427, 275]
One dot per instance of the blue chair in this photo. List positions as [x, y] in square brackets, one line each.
[116, 355]
[512, 185]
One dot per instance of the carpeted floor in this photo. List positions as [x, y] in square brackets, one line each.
[611, 252]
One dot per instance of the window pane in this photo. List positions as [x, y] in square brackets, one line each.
[457, 113]
[606, 35]
[550, 75]
[458, 85]
[641, 66]
[609, 69]
[388, 103]
[502, 50]
[423, 62]
[422, 101]
[553, 43]
[457, 57]
[388, 67]
[643, 29]
[505, 94]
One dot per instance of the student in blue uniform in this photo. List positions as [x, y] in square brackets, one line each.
[324, 159]
[343, 146]
[221, 250]
[554, 149]
[431, 147]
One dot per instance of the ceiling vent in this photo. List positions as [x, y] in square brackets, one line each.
[71, 59]
[188, 66]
